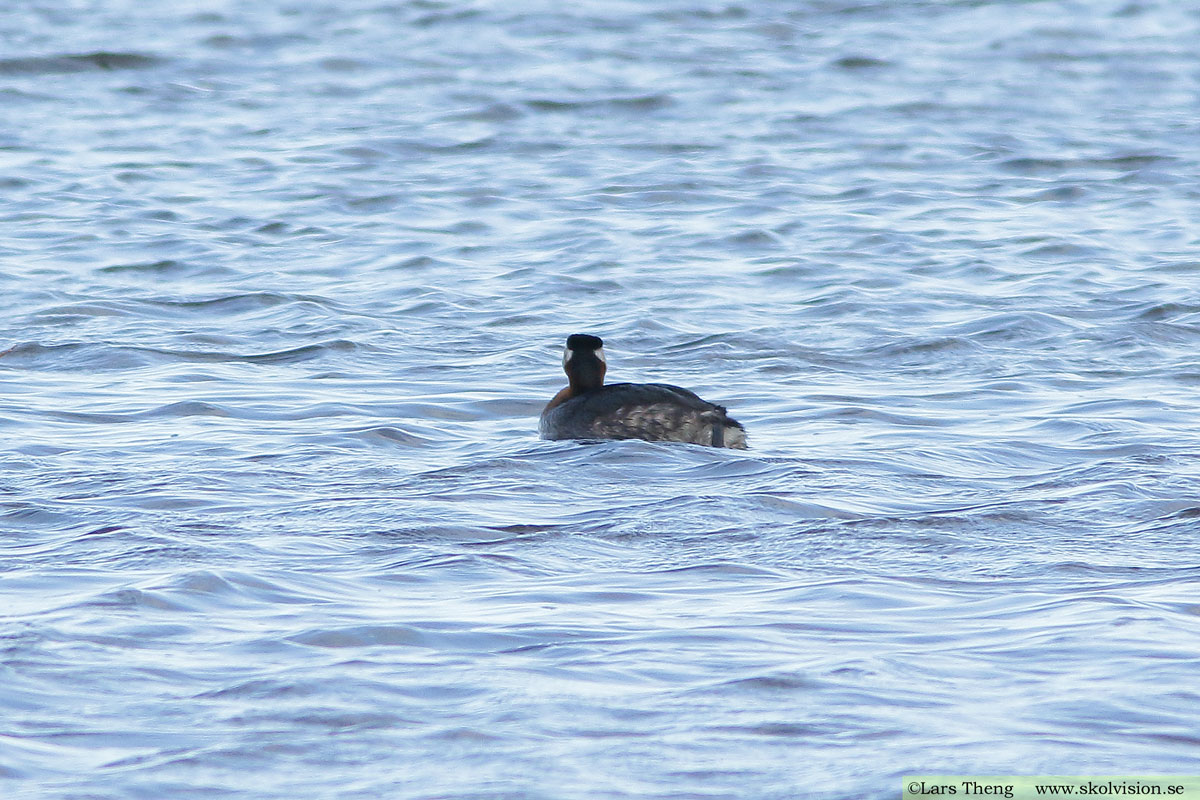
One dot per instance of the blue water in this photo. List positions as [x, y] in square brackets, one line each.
[284, 287]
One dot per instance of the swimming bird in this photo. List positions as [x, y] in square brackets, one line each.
[656, 412]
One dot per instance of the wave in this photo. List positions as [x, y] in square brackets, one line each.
[100, 61]
[105, 356]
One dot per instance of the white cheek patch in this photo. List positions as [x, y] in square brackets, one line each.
[600, 355]
[567, 353]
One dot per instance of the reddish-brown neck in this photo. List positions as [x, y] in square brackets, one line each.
[563, 396]
[585, 373]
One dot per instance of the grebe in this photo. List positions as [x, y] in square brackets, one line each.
[656, 412]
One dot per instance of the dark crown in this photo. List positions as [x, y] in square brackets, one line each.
[584, 342]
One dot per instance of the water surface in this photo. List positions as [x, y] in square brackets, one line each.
[283, 289]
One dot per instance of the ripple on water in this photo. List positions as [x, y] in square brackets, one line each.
[78, 62]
